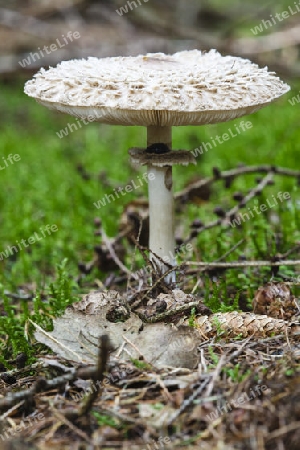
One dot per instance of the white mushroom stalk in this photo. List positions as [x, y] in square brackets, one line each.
[159, 158]
[161, 217]
[161, 202]
[158, 91]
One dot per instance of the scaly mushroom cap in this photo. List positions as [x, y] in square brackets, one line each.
[187, 88]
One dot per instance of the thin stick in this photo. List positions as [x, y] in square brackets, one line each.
[43, 385]
[227, 174]
[231, 213]
[114, 256]
[69, 424]
[188, 401]
[229, 265]
[231, 250]
[97, 379]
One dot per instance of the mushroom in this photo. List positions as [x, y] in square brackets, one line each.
[158, 91]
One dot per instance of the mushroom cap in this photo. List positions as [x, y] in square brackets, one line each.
[186, 88]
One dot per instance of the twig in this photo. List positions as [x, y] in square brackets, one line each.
[231, 250]
[209, 382]
[42, 385]
[136, 349]
[188, 401]
[69, 424]
[215, 375]
[114, 256]
[98, 376]
[231, 213]
[283, 431]
[230, 265]
[11, 410]
[169, 313]
[291, 251]
[233, 173]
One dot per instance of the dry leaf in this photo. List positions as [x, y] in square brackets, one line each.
[75, 334]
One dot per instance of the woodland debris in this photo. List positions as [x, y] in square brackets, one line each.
[243, 324]
[159, 344]
[101, 313]
[275, 300]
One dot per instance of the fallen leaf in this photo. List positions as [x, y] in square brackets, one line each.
[75, 334]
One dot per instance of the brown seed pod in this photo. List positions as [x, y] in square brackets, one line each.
[275, 300]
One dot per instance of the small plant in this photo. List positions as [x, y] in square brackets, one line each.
[192, 318]
[12, 330]
[213, 300]
[158, 406]
[214, 357]
[61, 290]
[15, 331]
[218, 325]
[219, 300]
[235, 373]
[238, 337]
[142, 365]
[103, 419]
[41, 314]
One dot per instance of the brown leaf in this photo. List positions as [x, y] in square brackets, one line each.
[75, 334]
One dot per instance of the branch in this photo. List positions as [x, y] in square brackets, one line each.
[232, 264]
[233, 173]
[231, 213]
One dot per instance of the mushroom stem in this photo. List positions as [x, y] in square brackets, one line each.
[161, 203]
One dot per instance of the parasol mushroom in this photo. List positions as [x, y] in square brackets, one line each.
[158, 91]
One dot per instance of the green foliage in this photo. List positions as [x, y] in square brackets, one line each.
[236, 373]
[218, 327]
[103, 419]
[214, 357]
[192, 318]
[12, 329]
[158, 406]
[219, 300]
[140, 364]
[62, 290]
[14, 324]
